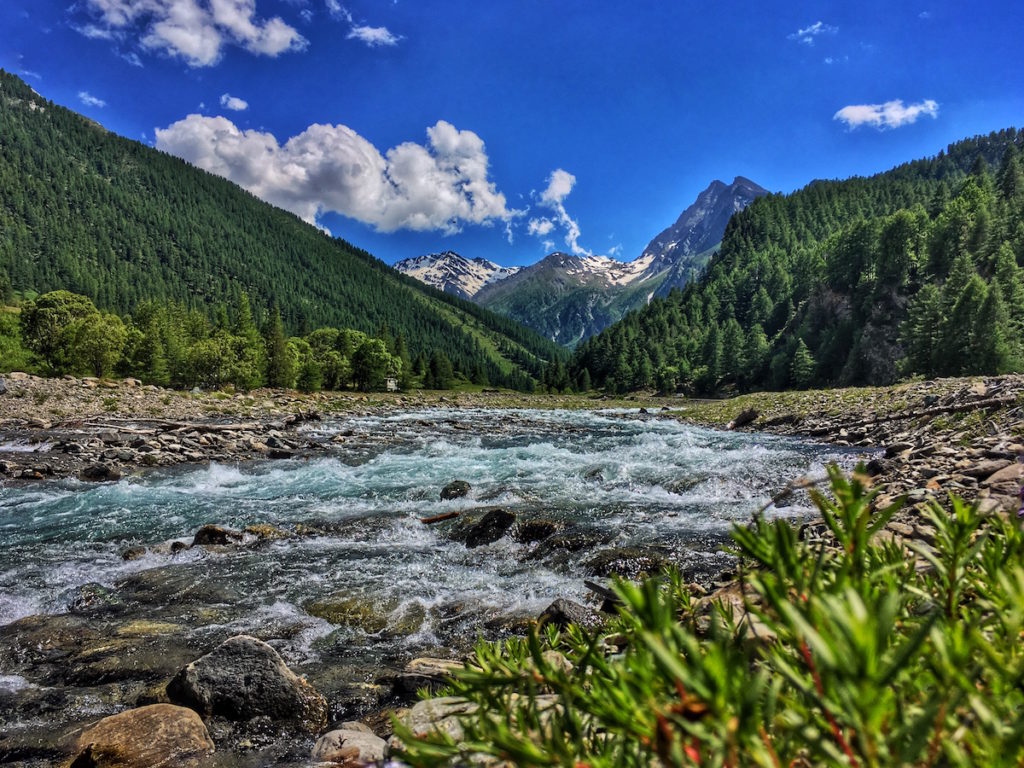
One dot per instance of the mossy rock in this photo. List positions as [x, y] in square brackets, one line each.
[345, 609]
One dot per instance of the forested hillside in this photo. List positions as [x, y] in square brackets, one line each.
[84, 210]
[913, 271]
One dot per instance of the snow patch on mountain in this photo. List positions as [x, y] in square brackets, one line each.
[452, 273]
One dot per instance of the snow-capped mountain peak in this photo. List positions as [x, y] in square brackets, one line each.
[452, 273]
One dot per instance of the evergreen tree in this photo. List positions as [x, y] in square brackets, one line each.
[801, 368]
[994, 352]
[280, 364]
[439, 372]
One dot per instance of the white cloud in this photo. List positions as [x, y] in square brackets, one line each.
[924, 15]
[233, 103]
[90, 101]
[194, 30]
[540, 227]
[807, 34]
[560, 184]
[441, 185]
[337, 10]
[891, 114]
[132, 58]
[30, 73]
[373, 36]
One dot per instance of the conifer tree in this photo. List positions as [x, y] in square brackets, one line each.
[280, 365]
[801, 369]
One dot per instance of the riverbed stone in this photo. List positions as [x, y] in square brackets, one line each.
[490, 528]
[215, 535]
[245, 678]
[154, 736]
[1011, 473]
[627, 562]
[455, 490]
[99, 473]
[346, 609]
[426, 672]
[353, 744]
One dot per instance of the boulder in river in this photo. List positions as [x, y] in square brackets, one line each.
[352, 744]
[215, 535]
[148, 737]
[627, 562]
[456, 489]
[245, 678]
[490, 528]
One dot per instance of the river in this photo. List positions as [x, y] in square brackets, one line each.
[360, 582]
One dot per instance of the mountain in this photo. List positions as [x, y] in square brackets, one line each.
[86, 210]
[917, 270]
[570, 298]
[454, 274]
[684, 248]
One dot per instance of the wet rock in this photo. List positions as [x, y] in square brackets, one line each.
[345, 609]
[564, 612]
[627, 562]
[215, 535]
[427, 673]
[133, 553]
[149, 737]
[281, 454]
[352, 744]
[245, 678]
[99, 473]
[3, 386]
[490, 528]
[266, 532]
[455, 490]
[94, 598]
[877, 467]
[537, 529]
[895, 449]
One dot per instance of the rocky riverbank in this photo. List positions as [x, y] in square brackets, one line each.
[132, 673]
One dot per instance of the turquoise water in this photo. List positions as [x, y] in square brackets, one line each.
[621, 479]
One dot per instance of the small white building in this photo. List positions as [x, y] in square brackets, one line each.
[391, 384]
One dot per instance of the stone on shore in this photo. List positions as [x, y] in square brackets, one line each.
[99, 473]
[148, 737]
[564, 612]
[245, 678]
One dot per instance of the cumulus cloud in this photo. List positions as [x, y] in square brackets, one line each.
[373, 36]
[194, 30]
[441, 185]
[891, 114]
[807, 34]
[540, 227]
[233, 103]
[560, 184]
[90, 101]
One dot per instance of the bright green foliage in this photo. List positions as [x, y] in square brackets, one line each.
[46, 327]
[96, 343]
[850, 268]
[85, 210]
[856, 654]
[372, 364]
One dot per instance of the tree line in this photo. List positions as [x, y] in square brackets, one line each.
[914, 271]
[167, 344]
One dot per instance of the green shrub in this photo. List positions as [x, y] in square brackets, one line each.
[857, 653]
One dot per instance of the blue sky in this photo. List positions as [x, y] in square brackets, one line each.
[508, 129]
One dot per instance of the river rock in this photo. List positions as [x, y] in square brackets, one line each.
[133, 553]
[627, 562]
[745, 417]
[427, 673]
[439, 715]
[537, 529]
[245, 678]
[351, 745]
[490, 528]
[148, 737]
[455, 490]
[564, 612]
[215, 535]
[99, 473]
[3, 386]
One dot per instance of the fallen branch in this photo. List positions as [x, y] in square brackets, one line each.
[438, 518]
